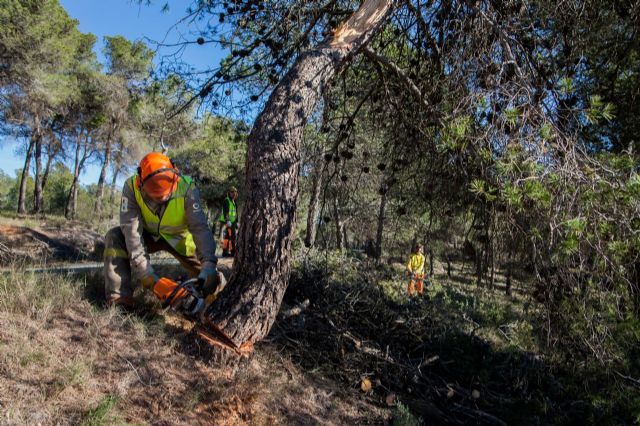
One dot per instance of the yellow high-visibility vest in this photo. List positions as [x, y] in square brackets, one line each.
[232, 211]
[172, 226]
[416, 263]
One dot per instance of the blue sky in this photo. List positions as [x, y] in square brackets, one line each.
[127, 18]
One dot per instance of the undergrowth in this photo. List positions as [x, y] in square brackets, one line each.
[474, 354]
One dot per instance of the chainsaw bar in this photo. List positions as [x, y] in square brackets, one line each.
[215, 336]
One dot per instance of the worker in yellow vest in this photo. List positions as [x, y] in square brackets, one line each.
[229, 220]
[415, 271]
[160, 211]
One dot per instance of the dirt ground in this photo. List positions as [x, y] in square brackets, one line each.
[38, 242]
[82, 365]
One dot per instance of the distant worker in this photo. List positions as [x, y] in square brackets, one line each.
[415, 271]
[229, 220]
[160, 211]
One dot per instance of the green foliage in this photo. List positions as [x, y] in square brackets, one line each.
[483, 189]
[545, 132]
[402, 416]
[512, 115]
[100, 414]
[131, 60]
[453, 136]
[216, 158]
[566, 86]
[57, 192]
[536, 192]
[6, 186]
[598, 110]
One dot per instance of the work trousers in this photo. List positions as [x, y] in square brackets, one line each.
[117, 266]
[229, 239]
[416, 283]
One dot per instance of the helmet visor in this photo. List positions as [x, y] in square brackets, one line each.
[161, 186]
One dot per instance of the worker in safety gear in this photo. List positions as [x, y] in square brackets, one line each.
[415, 271]
[160, 211]
[229, 220]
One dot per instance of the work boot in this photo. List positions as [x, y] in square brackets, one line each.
[125, 302]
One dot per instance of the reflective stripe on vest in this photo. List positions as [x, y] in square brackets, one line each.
[172, 226]
[232, 211]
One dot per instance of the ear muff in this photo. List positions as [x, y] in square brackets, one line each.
[139, 177]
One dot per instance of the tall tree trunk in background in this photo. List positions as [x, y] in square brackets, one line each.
[247, 307]
[112, 196]
[479, 256]
[379, 231]
[37, 193]
[340, 240]
[24, 177]
[314, 205]
[70, 208]
[430, 262]
[345, 234]
[52, 152]
[508, 283]
[103, 174]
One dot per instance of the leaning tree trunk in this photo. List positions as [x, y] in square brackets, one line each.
[22, 194]
[103, 176]
[248, 306]
[37, 193]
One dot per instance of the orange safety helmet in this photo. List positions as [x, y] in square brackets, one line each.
[157, 176]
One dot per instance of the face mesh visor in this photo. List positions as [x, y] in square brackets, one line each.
[161, 185]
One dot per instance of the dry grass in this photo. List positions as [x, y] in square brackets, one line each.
[64, 360]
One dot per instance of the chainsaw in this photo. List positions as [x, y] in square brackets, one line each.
[186, 298]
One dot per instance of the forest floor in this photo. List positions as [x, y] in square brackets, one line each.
[45, 240]
[348, 347]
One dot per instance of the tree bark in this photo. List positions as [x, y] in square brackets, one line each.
[112, 196]
[379, 231]
[431, 262]
[103, 173]
[52, 152]
[340, 240]
[22, 195]
[248, 306]
[72, 200]
[37, 193]
[314, 204]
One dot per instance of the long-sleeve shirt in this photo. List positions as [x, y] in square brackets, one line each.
[131, 223]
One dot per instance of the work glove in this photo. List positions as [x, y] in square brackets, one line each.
[149, 279]
[209, 280]
[229, 224]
